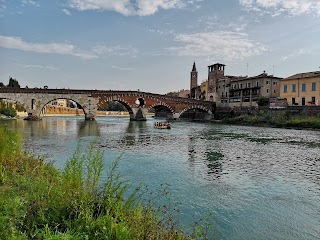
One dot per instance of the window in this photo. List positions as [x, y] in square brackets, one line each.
[222, 94]
[267, 82]
[313, 86]
[293, 101]
[248, 85]
[233, 86]
[257, 84]
[285, 88]
[226, 94]
[303, 87]
[293, 88]
[274, 83]
[274, 91]
[313, 100]
[303, 101]
[240, 85]
[267, 90]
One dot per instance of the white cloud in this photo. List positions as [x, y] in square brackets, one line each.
[57, 48]
[46, 67]
[222, 45]
[114, 50]
[130, 7]
[277, 7]
[30, 2]
[122, 68]
[66, 12]
[66, 48]
[294, 54]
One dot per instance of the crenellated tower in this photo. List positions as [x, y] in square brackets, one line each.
[215, 72]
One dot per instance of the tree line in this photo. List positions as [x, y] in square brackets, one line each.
[13, 83]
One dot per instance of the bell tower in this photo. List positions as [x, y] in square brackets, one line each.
[193, 81]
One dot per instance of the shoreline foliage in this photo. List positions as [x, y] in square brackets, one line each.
[282, 119]
[7, 109]
[38, 201]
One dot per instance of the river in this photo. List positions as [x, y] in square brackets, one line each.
[258, 183]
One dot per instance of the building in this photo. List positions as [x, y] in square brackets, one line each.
[193, 81]
[246, 91]
[215, 72]
[184, 93]
[302, 89]
[233, 91]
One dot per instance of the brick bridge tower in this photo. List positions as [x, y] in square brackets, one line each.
[193, 81]
[215, 72]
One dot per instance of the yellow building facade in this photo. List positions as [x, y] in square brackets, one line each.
[302, 89]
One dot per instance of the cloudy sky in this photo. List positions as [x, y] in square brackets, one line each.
[151, 44]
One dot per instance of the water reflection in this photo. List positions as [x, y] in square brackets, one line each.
[214, 163]
[88, 128]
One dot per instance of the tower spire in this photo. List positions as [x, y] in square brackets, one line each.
[194, 69]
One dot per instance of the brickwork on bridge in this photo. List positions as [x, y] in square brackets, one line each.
[137, 103]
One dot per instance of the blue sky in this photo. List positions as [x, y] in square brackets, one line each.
[151, 44]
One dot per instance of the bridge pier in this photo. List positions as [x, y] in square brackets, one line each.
[89, 116]
[138, 114]
[32, 117]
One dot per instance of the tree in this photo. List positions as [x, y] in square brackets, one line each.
[263, 101]
[13, 83]
[2, 85]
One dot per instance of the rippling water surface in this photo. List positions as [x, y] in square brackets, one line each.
[259, 183]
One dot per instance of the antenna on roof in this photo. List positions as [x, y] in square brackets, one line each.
[247, 69]
[273, 70]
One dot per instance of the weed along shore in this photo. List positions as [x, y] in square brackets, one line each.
[281, 119]
[74, 203]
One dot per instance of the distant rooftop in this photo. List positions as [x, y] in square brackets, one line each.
[304, 75]
[262, 75]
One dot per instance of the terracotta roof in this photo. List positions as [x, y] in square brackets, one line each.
[304, 75]
[263, 75]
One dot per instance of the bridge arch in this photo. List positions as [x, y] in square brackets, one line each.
[194, 112]
[127, 105]
[162, 110]
[47, 102]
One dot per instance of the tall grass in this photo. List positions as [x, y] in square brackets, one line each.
[39, 202]
[278, 119]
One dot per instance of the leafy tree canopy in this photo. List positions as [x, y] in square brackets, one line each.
[13, 83]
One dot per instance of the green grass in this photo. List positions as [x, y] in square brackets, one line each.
[278, 119]
[39, 202]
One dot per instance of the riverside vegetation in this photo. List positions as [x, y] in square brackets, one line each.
[38, 201]
[284, 119]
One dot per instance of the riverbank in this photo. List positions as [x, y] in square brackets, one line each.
[281, 119]
[72, 203]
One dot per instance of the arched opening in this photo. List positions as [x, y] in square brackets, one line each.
[62, 107]
[161, 111]
[114, 107]
[196, 114]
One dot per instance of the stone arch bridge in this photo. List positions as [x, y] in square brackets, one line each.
[137, 103]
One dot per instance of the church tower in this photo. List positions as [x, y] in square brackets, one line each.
[215, 72]
[193, 81]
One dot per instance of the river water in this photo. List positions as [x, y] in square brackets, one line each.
[253, 182]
